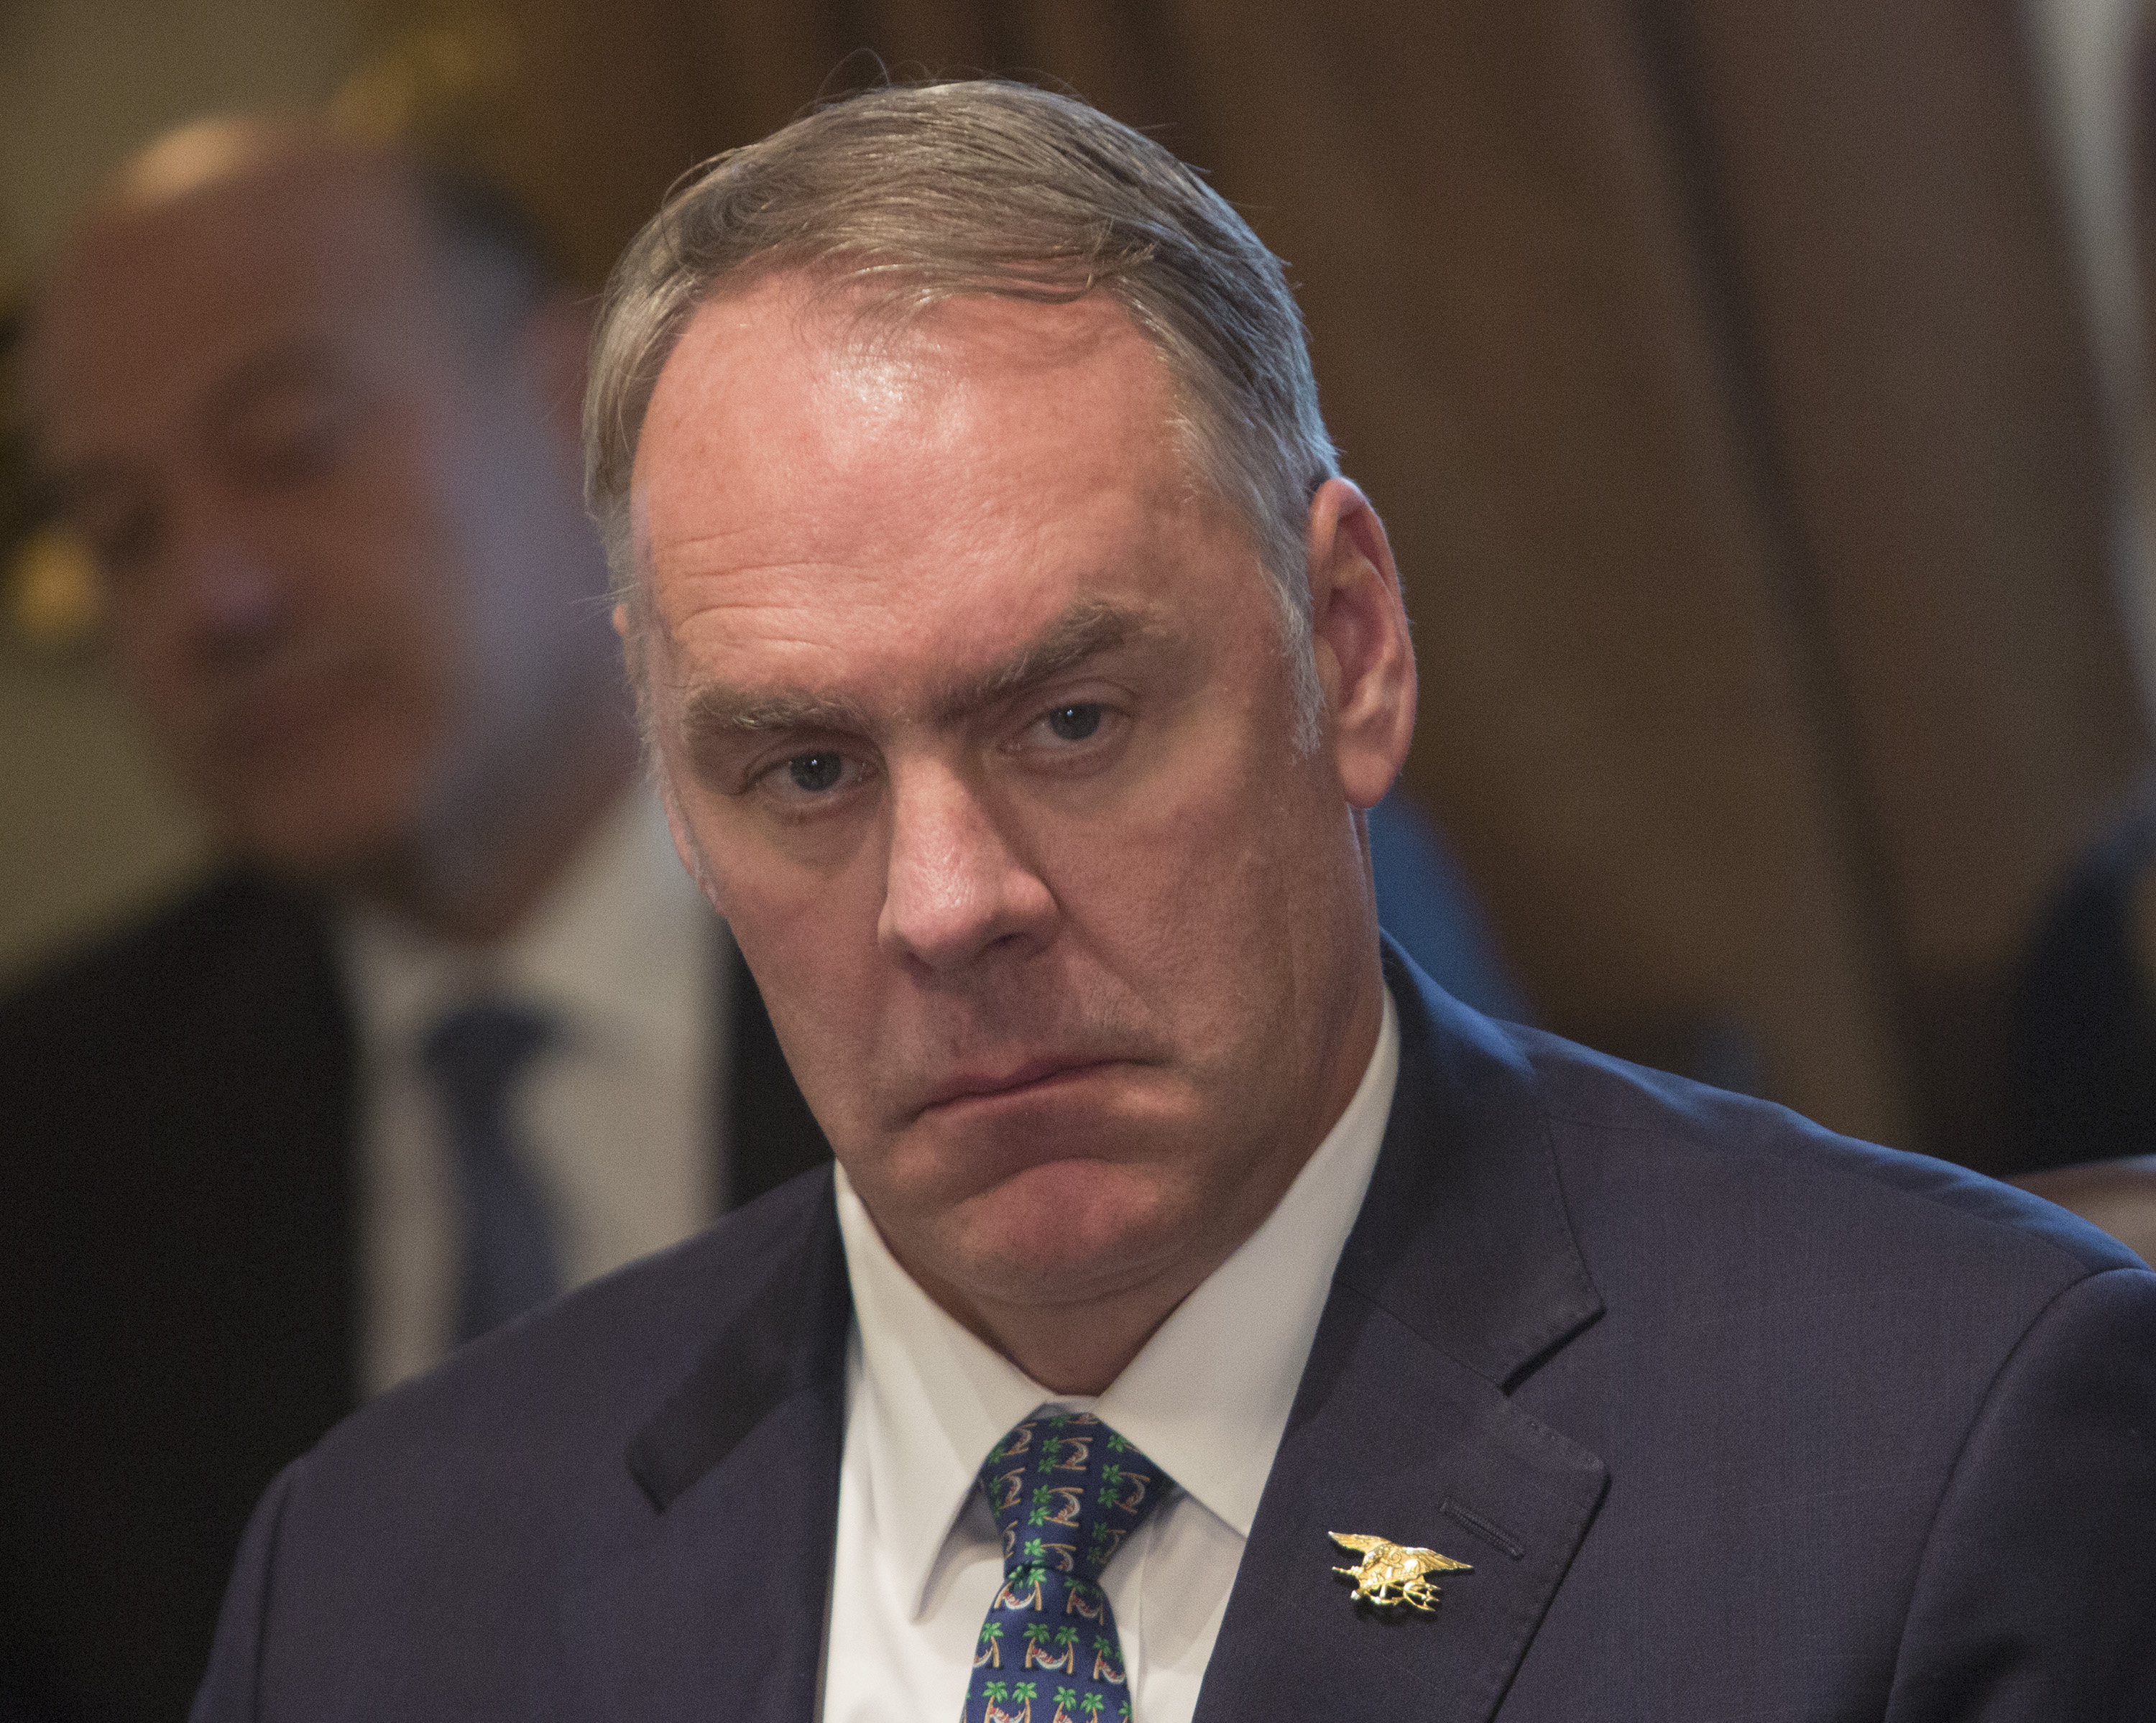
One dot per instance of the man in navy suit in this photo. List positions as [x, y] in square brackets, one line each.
[1206, 1317]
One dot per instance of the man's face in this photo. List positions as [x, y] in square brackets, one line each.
[975, 715]
[314, 504]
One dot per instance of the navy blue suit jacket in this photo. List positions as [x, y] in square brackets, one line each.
[1733, 1418]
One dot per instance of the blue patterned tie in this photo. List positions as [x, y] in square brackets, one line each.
[474, 1056]
[1066, 1490]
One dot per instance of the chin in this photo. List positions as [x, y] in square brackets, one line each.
[1068, 1230]
[322, 828]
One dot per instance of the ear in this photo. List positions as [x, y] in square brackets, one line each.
[1359, 627]
[553, 347]
[685, 847]
[685, 842]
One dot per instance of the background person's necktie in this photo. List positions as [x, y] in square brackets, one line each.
[1066, 1490]
[474, 1055]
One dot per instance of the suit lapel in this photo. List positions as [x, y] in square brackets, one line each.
[1461, 1276]
[713, 1606]
[234, 1137]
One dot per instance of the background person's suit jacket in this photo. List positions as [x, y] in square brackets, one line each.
[1733, 1418]
[178, 1285]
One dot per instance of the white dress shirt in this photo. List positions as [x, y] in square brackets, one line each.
[616, 1111]
[918, 1558]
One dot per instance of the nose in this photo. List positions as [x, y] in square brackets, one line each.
[957, 887]
[224, 597]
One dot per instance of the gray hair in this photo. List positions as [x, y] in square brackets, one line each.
[924, 192]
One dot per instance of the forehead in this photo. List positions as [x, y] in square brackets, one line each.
[829, 389]
[152, 308]
[805, 477]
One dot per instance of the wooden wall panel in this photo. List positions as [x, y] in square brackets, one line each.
[600, 112]
[1901, 281]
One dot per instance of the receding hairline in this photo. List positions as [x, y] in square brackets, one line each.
[855, 319]
[849, 290]
[229, 154]
[984, 187]
[271, 156]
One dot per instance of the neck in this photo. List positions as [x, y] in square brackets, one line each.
[1082, 1350]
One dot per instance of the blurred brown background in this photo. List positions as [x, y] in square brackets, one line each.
[1750, 393]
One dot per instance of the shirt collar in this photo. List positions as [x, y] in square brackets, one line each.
[1206, 1399]
[614, 950]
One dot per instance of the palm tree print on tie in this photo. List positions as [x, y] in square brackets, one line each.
[1066, 1490]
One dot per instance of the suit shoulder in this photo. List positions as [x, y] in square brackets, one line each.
[216, 1030]
[1625, 1132]
[166, 961]
[581, 1374]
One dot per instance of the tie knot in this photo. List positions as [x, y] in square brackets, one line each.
[474, 1053]
[1066, 1490]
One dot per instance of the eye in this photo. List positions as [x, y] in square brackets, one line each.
[815, 773]
[1076, 723]
[117, 518]
[290, 434]
[124, 541]
[817, 776]
[1078, 735]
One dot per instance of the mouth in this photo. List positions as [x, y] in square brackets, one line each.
[281, 711]
[1034, 1077]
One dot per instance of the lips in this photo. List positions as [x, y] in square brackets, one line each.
[995, 1083]
[279, 713]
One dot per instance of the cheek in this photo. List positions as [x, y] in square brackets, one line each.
[1183, 871]
[383, 535]
[394, 597]
[819, 947]
[1213, 909]
[807, 930]
[149, 655]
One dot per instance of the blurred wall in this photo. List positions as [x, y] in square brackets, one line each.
[1724, 377]
[2091, 58]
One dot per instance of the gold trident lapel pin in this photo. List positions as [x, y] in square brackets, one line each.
[1391, 1573]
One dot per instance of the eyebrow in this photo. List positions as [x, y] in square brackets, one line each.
[75, 489]
[1089, 628]
[303, 360]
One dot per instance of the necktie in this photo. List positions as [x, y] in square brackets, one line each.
[1066, 1490]
[474, 1055]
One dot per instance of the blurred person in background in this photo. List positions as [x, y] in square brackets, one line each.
[451, 1033]
[2082, 1071]
[2086, 1061]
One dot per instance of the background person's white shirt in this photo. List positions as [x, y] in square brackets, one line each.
[617, 1110]
[918, 1559]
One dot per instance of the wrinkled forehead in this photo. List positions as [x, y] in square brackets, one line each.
[787, 397]
[151, 306]
[915, 510]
